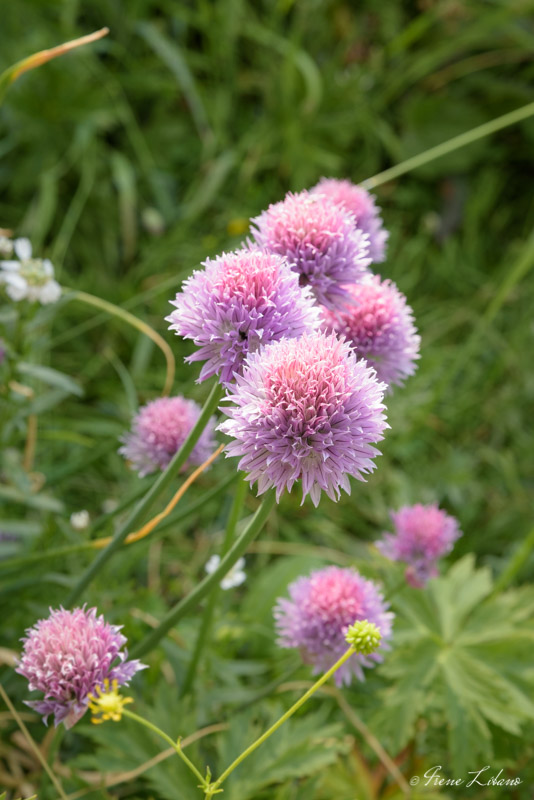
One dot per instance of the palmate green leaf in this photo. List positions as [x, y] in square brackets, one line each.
[468, 733]
[301, 747]
[471, 664]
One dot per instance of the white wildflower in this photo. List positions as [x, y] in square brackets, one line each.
[80, 520]
[6, 246]
[29, 278]
[234, 577]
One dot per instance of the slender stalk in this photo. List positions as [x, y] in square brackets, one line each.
[163, 735]
[212, 789]
[137, 323]
[204, 587]
[515, 564]
[443, 149]
[207, 617]
[157, 488]
[35, 749]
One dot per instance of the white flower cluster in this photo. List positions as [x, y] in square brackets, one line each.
[235, 577]
[28, 278]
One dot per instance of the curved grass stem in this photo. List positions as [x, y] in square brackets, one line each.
[137, 323]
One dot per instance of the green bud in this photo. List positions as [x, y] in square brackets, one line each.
[364, 636]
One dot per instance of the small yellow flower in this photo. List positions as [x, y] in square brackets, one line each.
[107, 703]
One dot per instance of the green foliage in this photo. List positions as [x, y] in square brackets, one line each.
[464, 652]
[130, 161]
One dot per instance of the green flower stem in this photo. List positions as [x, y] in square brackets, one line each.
[204, 587]
[163, 735]
[164, 480]
[515, 564]
[213, 788]
[443, 149]
[207, 618]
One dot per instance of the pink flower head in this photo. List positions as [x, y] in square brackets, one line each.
[305, 409]
[67, 656]
[319, 239]
[379, 324]
[362, 205]
[423, 534]
[321, 608]
[237, 303]
[158, 431]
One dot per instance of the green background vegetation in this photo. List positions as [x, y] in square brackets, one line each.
[129, 162]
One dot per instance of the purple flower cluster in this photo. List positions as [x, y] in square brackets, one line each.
[237, 303]
[423, 534]
[305, 409]
[319, 239]
[158, 431]
[319, 612]
[68, 655]
[361, 204]
[379, 325]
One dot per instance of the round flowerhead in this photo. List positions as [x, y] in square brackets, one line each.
[423, 534]
[158, 431]
[235, 577]
[320, 613]
[238, 302]
[319, 239]
[29, 278]
[67, 656]
[379, 324]
[362, 205]
[305, 409]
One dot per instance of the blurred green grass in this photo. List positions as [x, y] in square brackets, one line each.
[127, 163]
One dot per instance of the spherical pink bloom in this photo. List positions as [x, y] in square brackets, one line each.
[68, 655]
[305, 409]
[237, 303]
[319, 239]
[362, 205]
[423, 534]
[379, 324]
[158, 431]
[321, 608]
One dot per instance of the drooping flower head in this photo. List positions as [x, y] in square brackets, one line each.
[379, 324]
[29, 278]
[158, 431]
[320, 611]
[423, 534]
[238, 302]
[319, 239]
[67, 656]
[305, 409]
[362, 205]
